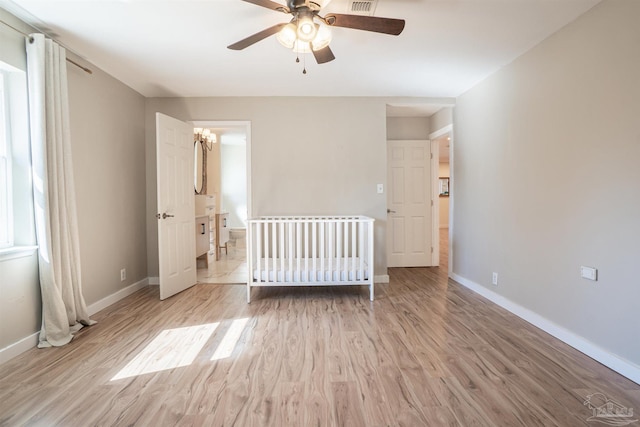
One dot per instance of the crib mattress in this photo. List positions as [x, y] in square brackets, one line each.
[348, 274]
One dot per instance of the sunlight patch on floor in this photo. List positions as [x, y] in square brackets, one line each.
[230, 339]
[172, 348]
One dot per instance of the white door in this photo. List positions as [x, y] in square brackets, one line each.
[176, 205]
[409, 221]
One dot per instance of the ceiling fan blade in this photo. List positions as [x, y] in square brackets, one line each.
[256, 37]
[269, 5]
[367, 23]
[323, 55]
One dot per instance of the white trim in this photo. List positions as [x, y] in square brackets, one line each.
[117, 296]
[611, 360]
[452, 195]
[383, 278]
[154, 281]
[448, 129]
[19, 347]
[31, 341]
[442, 131]
[17, 252]
[435, 202]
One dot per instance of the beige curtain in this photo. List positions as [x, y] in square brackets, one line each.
[63, 307]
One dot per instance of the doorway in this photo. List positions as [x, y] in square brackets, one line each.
[231, 169]
[409, 121]
[442, 140]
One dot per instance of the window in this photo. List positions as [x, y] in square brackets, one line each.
[17, 224]
[6, 206]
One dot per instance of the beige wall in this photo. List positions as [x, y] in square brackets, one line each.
[408, 128]
[547, 179]
[309, 155]
[107, 135]
[442, 118]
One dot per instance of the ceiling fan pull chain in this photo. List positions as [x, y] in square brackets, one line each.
[304, 64]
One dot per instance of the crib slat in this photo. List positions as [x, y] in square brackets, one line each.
[280, 249]
[290, 251]
[314, 247]
[346, 251]
[322, 238]
[353, 250]
[361, 252]
[332, 230]
[257, 226]
[274, 250]
[306, 249]
[338, 254]
[265, 230]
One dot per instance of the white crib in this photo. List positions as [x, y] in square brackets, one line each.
[310, 251]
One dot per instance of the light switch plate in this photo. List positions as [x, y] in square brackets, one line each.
[589, 273]
[380, 188]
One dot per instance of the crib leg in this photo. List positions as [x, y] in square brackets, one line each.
[248, 293]
[371, 292]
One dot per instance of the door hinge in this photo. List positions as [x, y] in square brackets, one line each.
[431, 155]
[432, 203]
[431, 249]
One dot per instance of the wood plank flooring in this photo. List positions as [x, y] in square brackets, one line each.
[426, 352]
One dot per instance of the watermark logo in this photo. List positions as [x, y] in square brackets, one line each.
[608, 411]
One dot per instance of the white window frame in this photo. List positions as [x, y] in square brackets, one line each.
[6, 194]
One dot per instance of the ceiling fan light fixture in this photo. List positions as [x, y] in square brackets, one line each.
[307, 29]
[301, 47]
[322, 38]
[287, 36]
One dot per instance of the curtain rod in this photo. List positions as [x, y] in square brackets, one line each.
[82, 67]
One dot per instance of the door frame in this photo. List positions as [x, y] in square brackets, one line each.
[447, 130]
[247, 128]
[435, 202]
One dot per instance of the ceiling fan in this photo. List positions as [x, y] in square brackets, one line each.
[309, 32]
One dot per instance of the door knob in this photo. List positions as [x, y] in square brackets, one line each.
[390, 211]
[166, 215]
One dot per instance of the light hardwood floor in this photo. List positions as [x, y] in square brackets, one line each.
[427, 351]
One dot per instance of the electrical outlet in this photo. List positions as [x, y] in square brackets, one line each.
[380, 188]
[494, 279]
[123, 274]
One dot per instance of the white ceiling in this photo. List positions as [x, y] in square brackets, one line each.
[178, 47]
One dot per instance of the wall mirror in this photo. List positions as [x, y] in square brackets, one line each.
[200, 168]
[444, 186]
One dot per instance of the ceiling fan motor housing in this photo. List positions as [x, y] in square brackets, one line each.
[311, 5]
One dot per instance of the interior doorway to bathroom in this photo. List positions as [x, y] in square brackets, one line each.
[230, 166]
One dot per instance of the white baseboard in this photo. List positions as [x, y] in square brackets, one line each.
[613, 361]
[154, 281]
[117, 296]
[383, 278]
[19, 347]
[31, 341]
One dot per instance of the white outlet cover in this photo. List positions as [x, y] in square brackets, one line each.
[380, 188]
